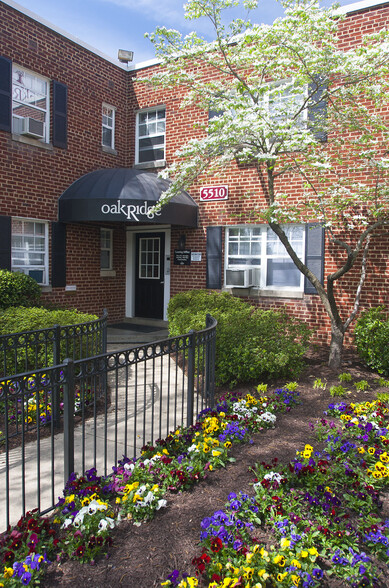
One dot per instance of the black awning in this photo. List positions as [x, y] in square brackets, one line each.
[124, 195]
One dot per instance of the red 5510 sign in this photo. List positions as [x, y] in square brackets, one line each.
[214, 193]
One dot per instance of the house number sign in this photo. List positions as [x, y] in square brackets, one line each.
[211, 193]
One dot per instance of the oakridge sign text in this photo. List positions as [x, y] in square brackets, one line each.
[131, 211]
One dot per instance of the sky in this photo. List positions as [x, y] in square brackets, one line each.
[109, 25]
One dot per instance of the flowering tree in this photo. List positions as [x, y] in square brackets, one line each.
[291, 102]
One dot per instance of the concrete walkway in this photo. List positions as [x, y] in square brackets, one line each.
[133, 418]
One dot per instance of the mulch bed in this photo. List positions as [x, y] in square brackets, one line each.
[142, 557]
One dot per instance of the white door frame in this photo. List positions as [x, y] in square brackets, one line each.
[130, 265]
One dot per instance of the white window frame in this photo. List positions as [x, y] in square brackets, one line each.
[261, 269]
[27, 268]
[139, 136]
[17, 98]
[104, 233]
[105, 124]
[283, 86]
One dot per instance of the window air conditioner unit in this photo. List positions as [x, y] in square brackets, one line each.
[33, 128]
[239, 278]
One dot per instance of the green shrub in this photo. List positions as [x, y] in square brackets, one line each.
[17, 289]
[372, 339]
[251, 344]
[39, 355]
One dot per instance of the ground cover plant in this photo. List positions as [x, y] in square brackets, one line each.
[91, 492]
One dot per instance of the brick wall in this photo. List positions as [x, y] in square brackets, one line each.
[33, 178]
[241, 179]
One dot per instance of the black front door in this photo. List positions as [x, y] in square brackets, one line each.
[149, 275]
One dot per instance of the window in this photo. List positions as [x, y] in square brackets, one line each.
[30, 104]
[29, 249]
[256, 257]
[278, 103]
[108, 127]
[151, 128]
[106, 249]
[149, 258]
[283, 101]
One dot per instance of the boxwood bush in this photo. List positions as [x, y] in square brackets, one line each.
[39, 355]
[17, 289]
[251, 344]
[372, 339]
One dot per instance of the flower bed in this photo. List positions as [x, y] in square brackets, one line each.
[92, 506]
[322, 511]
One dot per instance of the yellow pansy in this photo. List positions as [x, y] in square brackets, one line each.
[304, 553]
[248, 573]
[263, 574]
[295, 579]
[285, 543]
[8, 572]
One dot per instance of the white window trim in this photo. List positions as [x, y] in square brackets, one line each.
[153, 163]
[103, 126]
[286, 83]
[107, 270]
[46, 138]
[262, 286]
[46, 251]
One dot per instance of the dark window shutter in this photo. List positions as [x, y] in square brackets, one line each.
[5, 94]
[5, 242]
[314, 254]
[58, 255]
[60, 112]
[317, 109]
[214, 258]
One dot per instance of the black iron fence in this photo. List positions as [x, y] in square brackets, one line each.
[31, 350]
[90, 412]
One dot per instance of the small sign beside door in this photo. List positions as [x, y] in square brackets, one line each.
[182, 256]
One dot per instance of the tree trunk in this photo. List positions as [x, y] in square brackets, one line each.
[336, 347]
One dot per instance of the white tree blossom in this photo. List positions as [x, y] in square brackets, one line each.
[288, 99]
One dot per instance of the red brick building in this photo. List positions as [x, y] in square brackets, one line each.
[80, 143]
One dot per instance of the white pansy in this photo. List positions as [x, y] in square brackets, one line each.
[161, 503]
[129, 466]
[267, 417]
[106, 523]
[273, 476]
[67, 523]
[94, 506]
[149, 497]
